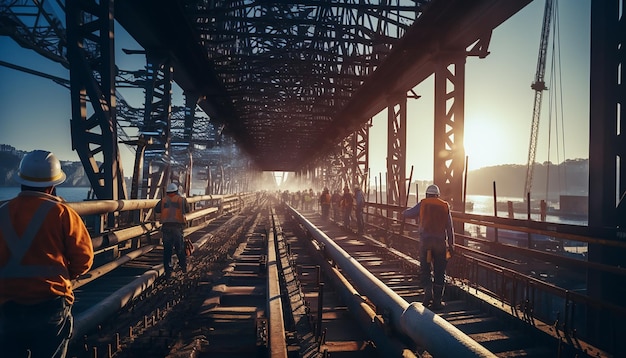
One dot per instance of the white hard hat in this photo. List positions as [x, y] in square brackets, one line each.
[41, 169]
[171, 188]
[433, 190]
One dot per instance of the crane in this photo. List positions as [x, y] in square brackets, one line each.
[539, 85]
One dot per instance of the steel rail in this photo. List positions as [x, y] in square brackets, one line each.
[278, 344]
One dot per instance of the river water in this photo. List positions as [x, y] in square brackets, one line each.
[482, 204]
[70, 194]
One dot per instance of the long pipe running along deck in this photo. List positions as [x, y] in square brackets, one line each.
[423, 326]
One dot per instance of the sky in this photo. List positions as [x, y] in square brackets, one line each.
[35, 112]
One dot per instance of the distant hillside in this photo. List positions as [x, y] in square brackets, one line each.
[10, 161]
[570, 177]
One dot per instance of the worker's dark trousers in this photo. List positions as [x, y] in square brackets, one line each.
[173, 241]
[360, 224]
[435, 270]
[43, 329]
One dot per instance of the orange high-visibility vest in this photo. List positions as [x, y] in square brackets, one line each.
[44, 244]
[172, 209]
[434, 213]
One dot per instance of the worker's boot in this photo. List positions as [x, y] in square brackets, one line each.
[428, 296]
[438, 304]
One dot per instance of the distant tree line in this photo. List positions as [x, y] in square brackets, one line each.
[568, 178]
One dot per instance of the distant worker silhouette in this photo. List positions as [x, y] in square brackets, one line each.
[172, 208]
[435, 228]
[347, 203]
[335, 200]
[44, 244]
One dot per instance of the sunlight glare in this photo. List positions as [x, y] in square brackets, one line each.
[485, 144]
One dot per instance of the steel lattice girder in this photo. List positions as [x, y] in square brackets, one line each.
[289, 80]
[277, 72]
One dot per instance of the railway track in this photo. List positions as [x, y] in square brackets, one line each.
[221, 307]
[142, 313]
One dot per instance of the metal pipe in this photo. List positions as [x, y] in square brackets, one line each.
[107, 206]
[106, 268]
[115, 237]
[90, 318]
[368, 319]
[200, 213]
[425, 328]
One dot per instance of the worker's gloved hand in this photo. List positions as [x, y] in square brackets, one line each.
[451, 250]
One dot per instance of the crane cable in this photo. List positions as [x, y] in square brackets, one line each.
[538, 86]
[556, 107]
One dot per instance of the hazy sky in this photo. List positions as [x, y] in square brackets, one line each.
[35, 112]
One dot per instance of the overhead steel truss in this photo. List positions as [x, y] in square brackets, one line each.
[36, 25]
[281, 70]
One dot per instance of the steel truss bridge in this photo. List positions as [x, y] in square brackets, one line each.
[293, 86]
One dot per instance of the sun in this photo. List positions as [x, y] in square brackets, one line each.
[485, 143]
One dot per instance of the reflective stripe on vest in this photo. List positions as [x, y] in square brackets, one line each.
[19, 246]
[172, 210]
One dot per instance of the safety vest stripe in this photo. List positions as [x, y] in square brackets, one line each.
[19, 246]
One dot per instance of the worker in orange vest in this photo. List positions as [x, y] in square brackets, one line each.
[44, 244]
[435, 228]
[324, 201]
[172, 208]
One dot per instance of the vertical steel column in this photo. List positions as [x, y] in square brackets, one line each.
[157, 122]
[191, 101]
[360, 165]
[336, 168]
[449, 152]
[209, 189]
[325, 168]
[396, 152]
[607, 150]
[347, 155]
[91, 55]
[142, 143]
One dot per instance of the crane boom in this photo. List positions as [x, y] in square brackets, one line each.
[539, 85]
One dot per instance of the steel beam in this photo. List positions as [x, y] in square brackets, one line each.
[91, 55]
[157, 123]
[449, 152]
[396, 151]
[607, 154]
[361, 156]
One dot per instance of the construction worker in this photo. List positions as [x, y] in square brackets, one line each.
[44, 244]
[347, 203]
[435, 228]
[324, 201]
[172, 208]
